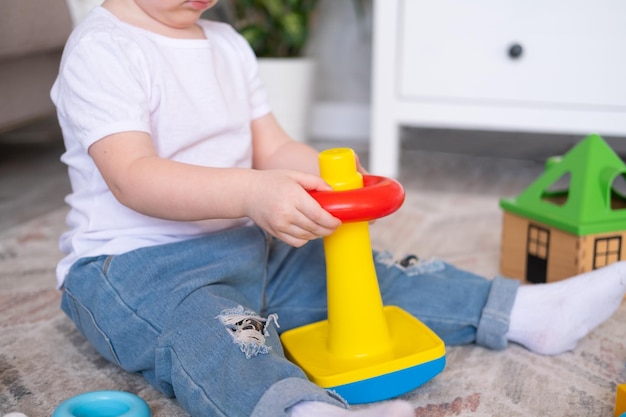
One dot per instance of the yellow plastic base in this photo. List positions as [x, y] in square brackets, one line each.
[412, 344]
[620, 402]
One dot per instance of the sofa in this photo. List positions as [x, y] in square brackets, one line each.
[32, 35]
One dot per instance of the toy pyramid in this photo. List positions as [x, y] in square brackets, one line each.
[364, 351]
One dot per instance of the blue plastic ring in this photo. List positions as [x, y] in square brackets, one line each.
[103, 404]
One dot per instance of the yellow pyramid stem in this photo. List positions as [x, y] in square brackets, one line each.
[357, 324]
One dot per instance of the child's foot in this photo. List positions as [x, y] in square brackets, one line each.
[552, 318]
[319, 409]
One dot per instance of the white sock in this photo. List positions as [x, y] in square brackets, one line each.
[319, 409]
[551, 318]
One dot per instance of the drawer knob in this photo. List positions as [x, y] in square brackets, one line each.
[516, 51]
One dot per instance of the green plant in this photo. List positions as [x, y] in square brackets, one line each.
[274, 28]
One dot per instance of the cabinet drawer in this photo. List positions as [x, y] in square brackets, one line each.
[573, 52]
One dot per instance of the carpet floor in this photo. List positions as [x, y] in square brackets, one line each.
[451, 212]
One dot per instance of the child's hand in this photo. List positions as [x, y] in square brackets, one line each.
[279, 203]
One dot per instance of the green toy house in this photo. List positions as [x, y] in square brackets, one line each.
[572, 219]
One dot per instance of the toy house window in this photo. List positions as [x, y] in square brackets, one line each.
[606, 251]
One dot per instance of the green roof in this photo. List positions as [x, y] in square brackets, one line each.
[589, 203]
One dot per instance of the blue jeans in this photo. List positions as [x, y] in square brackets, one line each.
[197, 318]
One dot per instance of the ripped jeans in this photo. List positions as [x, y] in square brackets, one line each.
[198, 318]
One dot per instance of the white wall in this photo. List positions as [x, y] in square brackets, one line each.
[341, 40]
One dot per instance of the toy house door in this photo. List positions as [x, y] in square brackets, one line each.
[537, 245]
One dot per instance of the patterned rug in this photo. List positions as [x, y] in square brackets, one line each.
[44, 360]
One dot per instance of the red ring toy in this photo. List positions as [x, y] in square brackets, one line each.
[379, 197]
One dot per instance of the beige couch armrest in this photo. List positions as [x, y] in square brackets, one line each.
[28, 26]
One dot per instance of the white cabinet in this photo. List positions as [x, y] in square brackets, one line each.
[534, 65]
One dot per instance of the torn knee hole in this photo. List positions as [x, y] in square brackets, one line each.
[248, 329]
[408, 261]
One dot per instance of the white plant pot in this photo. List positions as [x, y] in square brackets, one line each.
[289, 84]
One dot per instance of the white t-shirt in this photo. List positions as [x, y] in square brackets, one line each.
[196, 99]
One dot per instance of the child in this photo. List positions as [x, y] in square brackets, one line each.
[191, 233]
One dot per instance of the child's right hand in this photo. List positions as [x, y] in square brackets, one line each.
[279, 203]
